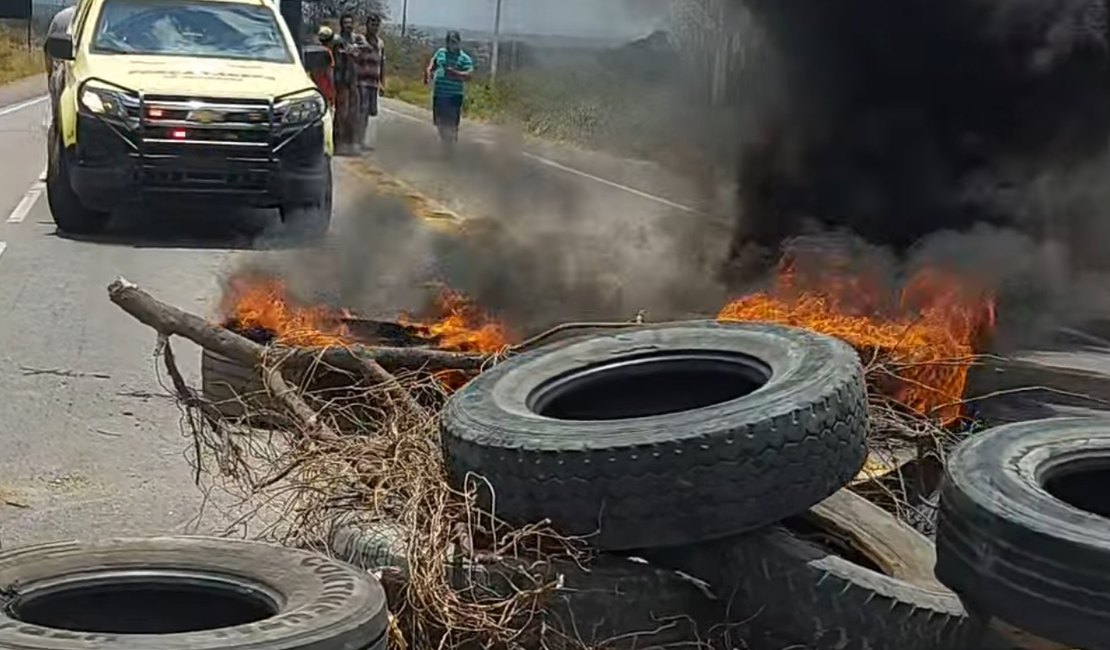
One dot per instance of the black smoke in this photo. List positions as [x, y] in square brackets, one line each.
[901, 118]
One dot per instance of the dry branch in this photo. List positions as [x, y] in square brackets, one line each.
[171, 321]
[168, 320]
[352, 357]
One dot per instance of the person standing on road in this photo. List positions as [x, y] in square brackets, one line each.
[370, 63]
[449, 69]
[325, 79]
[346, 86]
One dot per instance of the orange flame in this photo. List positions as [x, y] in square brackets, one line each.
[259, 301]
[929, 334]
[462, 326]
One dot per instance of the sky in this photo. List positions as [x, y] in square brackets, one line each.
[595, 18]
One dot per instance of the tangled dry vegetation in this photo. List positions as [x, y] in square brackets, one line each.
[324, 443]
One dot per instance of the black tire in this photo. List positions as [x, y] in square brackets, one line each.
[1014, 551]
[673, 478]
[309, 222]
[787, 591]
[186, 593]
[70, 215]
[613, 602]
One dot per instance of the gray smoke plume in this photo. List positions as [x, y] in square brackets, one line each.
[536, 258]
[966, 133]
[969, 134]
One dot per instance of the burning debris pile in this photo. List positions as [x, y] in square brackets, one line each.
[918, 340]
[357, 403]
[259, 306]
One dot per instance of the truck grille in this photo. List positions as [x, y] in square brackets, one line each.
[186, 121]
[206, 144]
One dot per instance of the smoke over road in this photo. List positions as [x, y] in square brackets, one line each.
[900, 119]
[969, 133]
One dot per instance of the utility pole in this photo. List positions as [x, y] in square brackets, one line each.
[404, 18]
[496, 44]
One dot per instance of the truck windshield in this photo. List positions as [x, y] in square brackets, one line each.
[198, 28]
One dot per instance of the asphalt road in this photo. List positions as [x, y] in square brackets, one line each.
[90, 443]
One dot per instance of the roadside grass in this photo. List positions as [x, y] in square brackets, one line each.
[408, 90]
[587, 107]
[593, 104]
[15, 61]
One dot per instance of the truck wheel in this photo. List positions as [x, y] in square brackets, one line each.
[846, 576]
[181, 593]
[70, 215]
[662, 436]
[1024, 529]
[309, 222]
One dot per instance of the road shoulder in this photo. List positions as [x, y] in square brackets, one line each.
[640, 175]
[22, 90]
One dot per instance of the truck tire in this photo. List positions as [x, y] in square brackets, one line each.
[614, 602]
[664, 435]
[185, 593]
[789, 591]
[1024, 528]
[309, 222]
[70, 215]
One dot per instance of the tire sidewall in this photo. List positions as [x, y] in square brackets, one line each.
[494, 407]
[1013, 550]
[312, 220]
[323, 600]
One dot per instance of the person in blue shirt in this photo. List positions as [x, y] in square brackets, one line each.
[449, 70]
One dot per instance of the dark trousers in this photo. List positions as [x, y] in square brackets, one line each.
[446, 114]
[346, 116]
[367, 108]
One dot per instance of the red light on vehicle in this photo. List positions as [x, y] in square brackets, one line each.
[155, 112]
[178, 134]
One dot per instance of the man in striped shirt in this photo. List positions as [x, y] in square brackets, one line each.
[449, 69]
[370, 65]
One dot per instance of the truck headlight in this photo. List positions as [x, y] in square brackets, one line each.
[302, 110]
[106, 102]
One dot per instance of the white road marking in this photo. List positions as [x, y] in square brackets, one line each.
[604, 181]
[569, 170]
[42, 176]
[3, 247]
[7, 110]
[26, 203]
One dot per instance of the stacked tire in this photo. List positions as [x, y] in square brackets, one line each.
[1024, 530]
[186, 593]
[721, 451]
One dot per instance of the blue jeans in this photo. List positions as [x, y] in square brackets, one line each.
[446, 114]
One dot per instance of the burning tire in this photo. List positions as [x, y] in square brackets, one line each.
[846, 576]
[1024, 529]
[663, 436]
[185, 593]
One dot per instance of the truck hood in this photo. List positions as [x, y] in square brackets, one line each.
[164, 75]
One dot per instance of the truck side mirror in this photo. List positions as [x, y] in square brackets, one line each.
[316, 58]
[60, 47]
